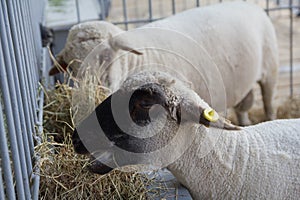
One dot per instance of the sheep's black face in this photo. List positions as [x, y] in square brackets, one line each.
[121, 121]
[77, 144]
[144, 99]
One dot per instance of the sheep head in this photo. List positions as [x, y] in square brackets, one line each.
[81, 43]
[143, 116]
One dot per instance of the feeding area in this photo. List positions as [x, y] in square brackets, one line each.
[127, 99]
[64, 173]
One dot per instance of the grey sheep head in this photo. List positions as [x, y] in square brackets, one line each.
[143, 116]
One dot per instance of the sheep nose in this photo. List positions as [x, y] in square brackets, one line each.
[98, 167]
[77, 144]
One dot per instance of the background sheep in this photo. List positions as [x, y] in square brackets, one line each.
[228, 55]
[261, 161]
[81, 40]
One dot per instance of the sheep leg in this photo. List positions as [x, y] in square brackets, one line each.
[242, 108]
[267, 91]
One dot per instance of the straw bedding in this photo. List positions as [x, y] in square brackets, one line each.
[64, 174]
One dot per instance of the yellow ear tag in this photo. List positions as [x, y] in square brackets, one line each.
[211, 115]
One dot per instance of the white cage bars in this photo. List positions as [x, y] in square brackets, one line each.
[21, 67]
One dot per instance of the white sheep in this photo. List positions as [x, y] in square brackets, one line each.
[82, 39]
[255, 162]
[259, 162]
[222, 50]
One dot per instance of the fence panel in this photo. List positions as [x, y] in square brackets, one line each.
[21, 57]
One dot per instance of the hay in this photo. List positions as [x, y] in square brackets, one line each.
[289, 109]
[64, 173]
[64, 176]
[286, 109]
[59, 109]
[57, 112]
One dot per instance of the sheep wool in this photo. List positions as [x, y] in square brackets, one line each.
[257, 162]
[222, 55]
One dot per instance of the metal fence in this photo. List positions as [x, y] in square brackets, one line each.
[22, 63]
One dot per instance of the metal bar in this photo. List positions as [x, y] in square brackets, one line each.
[27, 60]
[10, 120]
[9, 185]
[35, 176]
[125, 14]
[36, 30]
[198, 3]
[11, 106]
[77, 11]
[27, 38]
[31, 47]
[267, 7]
[18, 78]
[24, 90]
[30, 56]
[291, 49]
[34, 49]
[39, 111]
[29, 100]
[28, 75]
[102, 9]
[150, 10]
[173, 7]
[136, 21]
[30, 37]
[2, 195]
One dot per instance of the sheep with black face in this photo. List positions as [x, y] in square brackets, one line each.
[218, 159]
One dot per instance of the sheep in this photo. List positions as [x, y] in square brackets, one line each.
[81, 40]
[221, 50]
[216, 159]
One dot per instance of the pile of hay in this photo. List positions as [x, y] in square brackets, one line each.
[63, 173]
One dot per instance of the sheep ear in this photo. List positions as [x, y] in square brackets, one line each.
[121, 44]
[210, 118]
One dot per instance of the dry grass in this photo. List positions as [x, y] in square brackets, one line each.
[63, 173]
[286, 109]
[64, 176]
[289, 109]
[57, 112]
